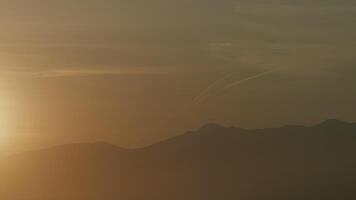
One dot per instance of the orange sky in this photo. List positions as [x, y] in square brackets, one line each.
[128, 71]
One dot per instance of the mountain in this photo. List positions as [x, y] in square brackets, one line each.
[213, 162]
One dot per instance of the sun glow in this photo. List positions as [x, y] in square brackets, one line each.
[4, 121]
[3, 124]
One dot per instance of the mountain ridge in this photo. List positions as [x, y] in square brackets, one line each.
[209, 128]
[213, 162]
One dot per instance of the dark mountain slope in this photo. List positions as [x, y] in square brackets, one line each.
[214, 162]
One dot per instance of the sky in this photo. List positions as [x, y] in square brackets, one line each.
[133, 72]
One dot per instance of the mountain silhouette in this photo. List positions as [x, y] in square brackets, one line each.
[213, 162]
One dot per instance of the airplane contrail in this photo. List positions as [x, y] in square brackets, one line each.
[206, 91]
[202, 95]
[250, 78]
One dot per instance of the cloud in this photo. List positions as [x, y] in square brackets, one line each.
[121, 37]
[235, 83]
[221, 85]
[78, 72]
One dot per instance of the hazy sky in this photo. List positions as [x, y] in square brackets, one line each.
[133, 72]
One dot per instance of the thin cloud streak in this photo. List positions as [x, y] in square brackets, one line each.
[251, 78]
[205, 93]
[83, 72]
[59, 73]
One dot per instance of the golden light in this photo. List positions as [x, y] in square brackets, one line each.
[5, 121]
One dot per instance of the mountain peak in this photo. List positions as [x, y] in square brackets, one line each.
[102, 143]
[105, 145]
[333, 123]
[211, 127]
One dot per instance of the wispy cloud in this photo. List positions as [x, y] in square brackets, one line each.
[231, 85]
[61, 72]
[206, 92]
[77, 72]
[88, 72]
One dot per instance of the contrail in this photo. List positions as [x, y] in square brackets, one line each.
[202, 95]
[250, 78]
[206, 91]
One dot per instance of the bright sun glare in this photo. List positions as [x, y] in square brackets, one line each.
[4, 122]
